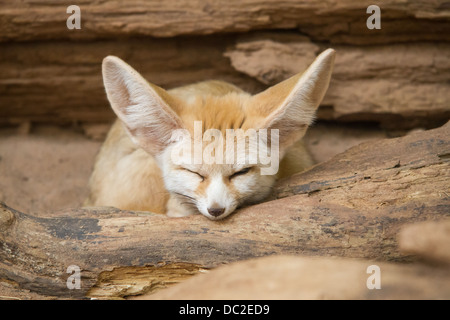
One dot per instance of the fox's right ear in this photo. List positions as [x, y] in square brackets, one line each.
[146, 110]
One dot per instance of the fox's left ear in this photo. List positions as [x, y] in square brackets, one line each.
[290, 106]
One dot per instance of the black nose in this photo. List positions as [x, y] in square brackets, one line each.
[215, 212]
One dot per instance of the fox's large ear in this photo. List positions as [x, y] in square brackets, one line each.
[146, 110]
[290, 106]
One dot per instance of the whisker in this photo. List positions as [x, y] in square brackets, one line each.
[188, 200]
[186, 196]
[189, 204]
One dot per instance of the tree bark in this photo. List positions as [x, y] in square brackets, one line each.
[340, 21]
[350, 206]
[300, 278]
[61, 83]
[398, 73]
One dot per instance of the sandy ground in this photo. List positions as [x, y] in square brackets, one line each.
[47, 168]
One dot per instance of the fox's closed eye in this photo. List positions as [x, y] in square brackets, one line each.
[240, 172]
[198, 174]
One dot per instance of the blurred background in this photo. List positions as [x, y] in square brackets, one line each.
[54, 112]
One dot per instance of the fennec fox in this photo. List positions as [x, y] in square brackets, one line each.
[140, 166]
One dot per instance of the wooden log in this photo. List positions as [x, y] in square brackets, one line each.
[61, 82]
[339, 21]
[46, 65]
[350, 206]
[404, 85]
[395, 170]
[294, 278]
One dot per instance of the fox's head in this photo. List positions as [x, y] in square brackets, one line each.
[217, 146]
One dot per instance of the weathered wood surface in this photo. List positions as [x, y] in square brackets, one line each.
[350, 206]
[294, 278]
[340, 21]
[401, 85]
[397, 74]
[376, 175]
[61, 82]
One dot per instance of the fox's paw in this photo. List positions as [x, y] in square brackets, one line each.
[178, 213]
[175, 209]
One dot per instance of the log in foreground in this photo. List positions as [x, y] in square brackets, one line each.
[292, 277]
[350, 206]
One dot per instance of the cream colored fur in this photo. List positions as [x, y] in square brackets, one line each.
[134, 170]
